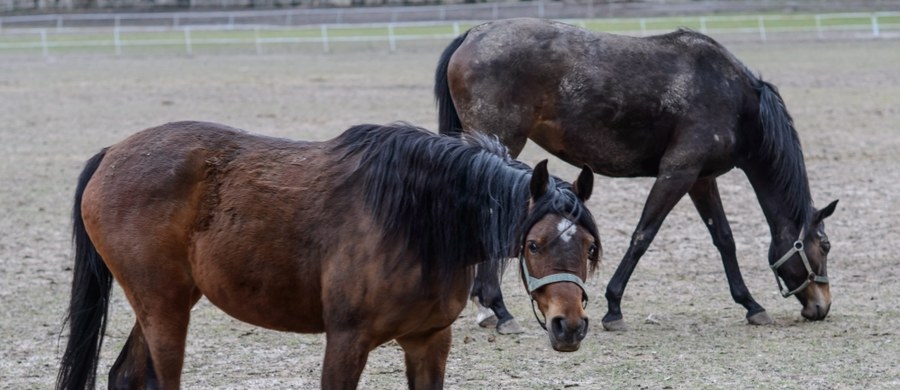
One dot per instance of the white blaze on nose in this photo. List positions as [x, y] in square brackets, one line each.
[566, 229]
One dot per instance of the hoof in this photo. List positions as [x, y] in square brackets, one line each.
[486, 317]
[510, 327]
[761, 318]
[615, 326]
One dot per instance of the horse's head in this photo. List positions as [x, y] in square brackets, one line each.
[559, 242]
[802, 266]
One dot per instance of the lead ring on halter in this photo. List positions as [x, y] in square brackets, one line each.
[533, 284]
[796, 248]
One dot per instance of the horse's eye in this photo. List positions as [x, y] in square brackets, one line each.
[826, 246]
[592, 250]
[532, 247]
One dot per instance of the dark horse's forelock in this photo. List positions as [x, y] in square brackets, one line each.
[781, 148]
[454, 202]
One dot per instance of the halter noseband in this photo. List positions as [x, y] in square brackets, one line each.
[532, 284]
[796, 248]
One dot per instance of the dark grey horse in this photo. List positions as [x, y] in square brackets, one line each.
[678, 107]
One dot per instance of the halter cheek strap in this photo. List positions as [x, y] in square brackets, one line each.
[532, 284]
[796, 248]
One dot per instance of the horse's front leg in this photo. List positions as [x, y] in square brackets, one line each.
[346, 352]
[669, 188]
[426, 358]
[705, 195]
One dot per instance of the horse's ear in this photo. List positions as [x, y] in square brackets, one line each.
[584, 185]
[825, 213]
[540, 178]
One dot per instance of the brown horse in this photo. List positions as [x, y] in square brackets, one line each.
[678, 107]
[367, 237]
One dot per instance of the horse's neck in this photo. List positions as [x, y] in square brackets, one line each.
[782, 224]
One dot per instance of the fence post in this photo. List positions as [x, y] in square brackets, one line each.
[819, 34]
[116, 40]
[703, 24]
[256, 40]
[44, 47]
[59, 23]
[456, 28]
[340, 16]
[762, 28]
[187, 40]
[324, 30]
[540, 8]
[231, 21]
[643, 27]
[175, 20]
[875, 31]
[442, 13]
[391, 38]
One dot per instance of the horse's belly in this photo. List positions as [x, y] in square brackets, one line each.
[605, 155]
[272, 292]
[269, 311]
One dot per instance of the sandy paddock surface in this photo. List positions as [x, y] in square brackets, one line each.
[685, 332]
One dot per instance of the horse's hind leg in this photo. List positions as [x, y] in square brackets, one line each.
[426, 358]
[133, 368]
[162, 303]
[705, 195]
[487, 290]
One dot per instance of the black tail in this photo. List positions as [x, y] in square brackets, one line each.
[448, 119]
[90, 296]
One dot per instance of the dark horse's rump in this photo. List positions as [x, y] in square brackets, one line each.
[366, 237]
[677, 106]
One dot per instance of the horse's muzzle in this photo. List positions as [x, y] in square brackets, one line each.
[815, 312]
[816, 302]
[564, 337]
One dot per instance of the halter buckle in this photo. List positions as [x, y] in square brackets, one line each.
[797, 247]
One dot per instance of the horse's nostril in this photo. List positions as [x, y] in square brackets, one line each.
[557, 326]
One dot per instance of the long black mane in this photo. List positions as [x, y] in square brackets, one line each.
[780, 149]
[453, 201]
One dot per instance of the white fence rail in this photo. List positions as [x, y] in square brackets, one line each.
[309, 16]
[188, 35]
[288, 16]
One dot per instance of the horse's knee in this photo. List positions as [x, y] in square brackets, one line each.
[641, 240]
[725, 242]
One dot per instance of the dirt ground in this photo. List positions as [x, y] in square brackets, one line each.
[685, 331]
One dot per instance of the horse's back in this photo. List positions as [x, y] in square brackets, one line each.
[179, 165]
[216, 208]
[515, 48]
[614, 102]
